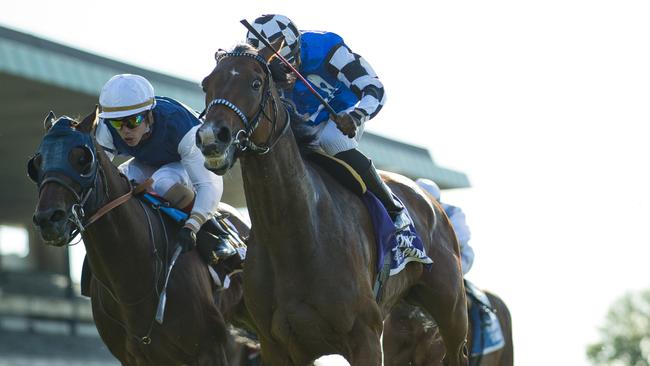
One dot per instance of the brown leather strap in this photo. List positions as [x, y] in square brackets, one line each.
[118, 201]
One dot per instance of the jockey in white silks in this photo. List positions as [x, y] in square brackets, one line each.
[159, 134]
[457, 218]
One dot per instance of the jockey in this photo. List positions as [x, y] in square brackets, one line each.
[457, 218]
[346, 81]
[158, 133]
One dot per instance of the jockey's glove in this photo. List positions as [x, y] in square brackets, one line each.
[186, 239]
[347, 123]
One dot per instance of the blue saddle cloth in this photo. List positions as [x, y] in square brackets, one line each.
[487, 336]
[404, 246]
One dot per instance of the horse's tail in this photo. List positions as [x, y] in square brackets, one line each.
[505, 320]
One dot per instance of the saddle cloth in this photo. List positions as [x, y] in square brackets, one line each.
[487, 336]
[404, 246]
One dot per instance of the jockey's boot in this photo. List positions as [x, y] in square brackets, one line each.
[366, 170]
[219, 241]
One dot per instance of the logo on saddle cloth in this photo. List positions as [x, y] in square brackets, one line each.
[404, 246]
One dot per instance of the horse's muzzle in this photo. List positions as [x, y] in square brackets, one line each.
[213, 139]
[53, 226]
[215, 144]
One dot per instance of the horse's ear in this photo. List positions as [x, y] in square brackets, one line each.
[219, 54]
[87, 124]
[267, 53]
[49, 121]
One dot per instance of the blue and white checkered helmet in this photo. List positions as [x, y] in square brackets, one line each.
[272, 27]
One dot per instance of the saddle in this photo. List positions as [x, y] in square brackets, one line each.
[397, 248]
[339, 169]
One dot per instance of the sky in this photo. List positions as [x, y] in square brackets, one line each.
[543, 104]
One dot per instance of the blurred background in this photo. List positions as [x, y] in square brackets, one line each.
[536, 115]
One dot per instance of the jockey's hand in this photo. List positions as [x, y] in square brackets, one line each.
[186, 239]
[346, 123]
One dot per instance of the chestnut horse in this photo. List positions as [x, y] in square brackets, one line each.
[411, 337]
[312, 255]
[129, 250]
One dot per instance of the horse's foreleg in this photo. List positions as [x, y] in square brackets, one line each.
[274, 354]
[366, 344]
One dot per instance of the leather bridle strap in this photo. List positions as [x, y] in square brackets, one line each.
[118, 201]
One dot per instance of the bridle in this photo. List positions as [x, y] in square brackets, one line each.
[242, 140]
[87, 182]
[59, 142]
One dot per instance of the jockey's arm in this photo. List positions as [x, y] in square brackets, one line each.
[105, 139]
[457, 218]
[208, 186]
[357, 74]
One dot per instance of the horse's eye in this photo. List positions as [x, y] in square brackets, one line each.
[256, 84]
[34, 166]
[84, 160]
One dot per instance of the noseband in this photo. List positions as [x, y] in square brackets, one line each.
[242, 139]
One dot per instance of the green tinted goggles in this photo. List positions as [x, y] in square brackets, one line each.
[130, 121]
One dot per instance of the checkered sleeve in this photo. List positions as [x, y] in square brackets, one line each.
[357, 74]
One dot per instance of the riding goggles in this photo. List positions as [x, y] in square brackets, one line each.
[130, 122]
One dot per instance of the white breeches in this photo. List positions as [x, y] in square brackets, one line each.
[163, 178]
[333, 141]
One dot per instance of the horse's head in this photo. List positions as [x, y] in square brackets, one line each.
[241, 108]
[64, 169]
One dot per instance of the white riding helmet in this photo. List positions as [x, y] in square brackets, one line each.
[125, 95]
[430, 186]
[272, 27]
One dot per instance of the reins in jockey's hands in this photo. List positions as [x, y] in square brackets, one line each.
[347, 123]
[186, 239]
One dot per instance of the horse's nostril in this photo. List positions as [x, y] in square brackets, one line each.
[58, 215]
[48, 216]
[224, 135]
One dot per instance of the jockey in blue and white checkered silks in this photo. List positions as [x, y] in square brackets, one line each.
[349, 85]
[158, 134]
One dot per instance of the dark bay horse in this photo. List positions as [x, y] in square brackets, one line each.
[312, 256]
[411, 337]
[129, 249]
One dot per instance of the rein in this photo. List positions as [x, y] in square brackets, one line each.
[118, 202]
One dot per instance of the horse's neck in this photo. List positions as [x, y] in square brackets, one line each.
[118, 245]
[280, 195]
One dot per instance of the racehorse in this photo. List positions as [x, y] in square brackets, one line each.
[411, 338]
[312, 255]
[129, 247]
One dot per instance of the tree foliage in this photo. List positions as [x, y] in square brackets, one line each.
[625, 336]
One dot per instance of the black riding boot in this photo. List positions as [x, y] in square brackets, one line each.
[213, 242]
[364, 167]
